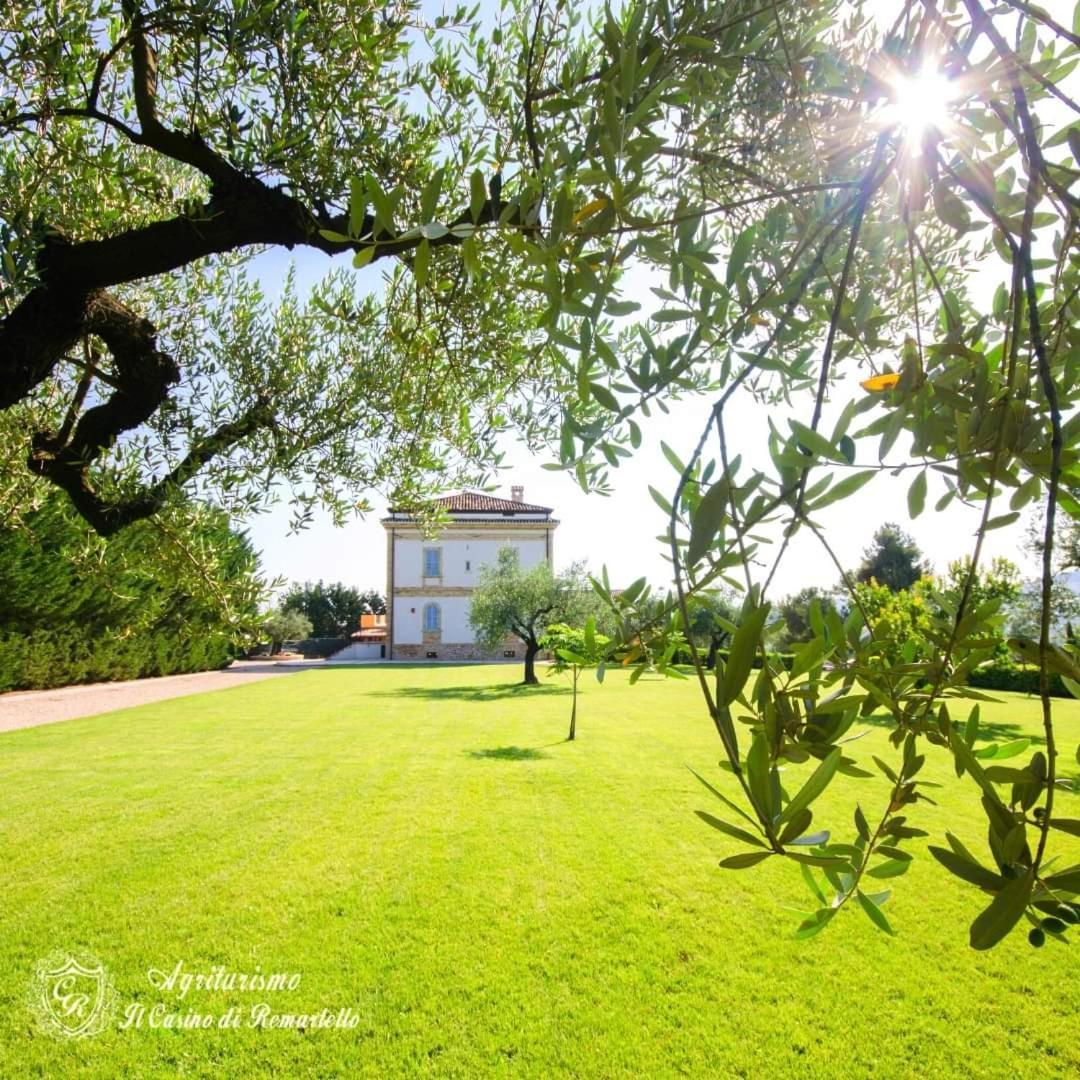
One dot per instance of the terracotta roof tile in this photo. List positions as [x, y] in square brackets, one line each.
[474, 502]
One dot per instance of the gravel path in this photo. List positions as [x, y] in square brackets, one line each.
[28, 708]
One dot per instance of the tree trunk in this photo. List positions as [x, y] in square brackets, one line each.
[532, 648]
[573, 711]
[69, 301]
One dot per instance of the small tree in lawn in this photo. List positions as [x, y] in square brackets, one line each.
[710, 615]
[281, 626]
[574, 650]
[509, 600]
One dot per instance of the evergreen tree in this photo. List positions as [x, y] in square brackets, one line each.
[795, 611]
[893, 559]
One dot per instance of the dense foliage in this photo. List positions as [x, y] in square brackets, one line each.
[893, 559]
[77, 608]
[830, 271]
[284, 624]
[333, 609]
[710, 624]
[148, 150]
[795, 611]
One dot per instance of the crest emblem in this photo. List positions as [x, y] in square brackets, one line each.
[71, 996]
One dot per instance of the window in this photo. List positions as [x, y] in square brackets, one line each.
[431, 617]
[432, 562]
[468, 565]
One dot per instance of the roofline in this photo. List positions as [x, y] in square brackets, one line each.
[509, 519]
[527, 508]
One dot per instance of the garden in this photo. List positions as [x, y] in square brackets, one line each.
[424, 848]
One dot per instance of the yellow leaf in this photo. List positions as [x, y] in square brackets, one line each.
[589, 209]
[881, 382]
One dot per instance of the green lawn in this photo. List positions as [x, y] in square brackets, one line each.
[423, 848]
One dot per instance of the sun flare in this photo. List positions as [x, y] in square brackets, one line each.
[920, 102]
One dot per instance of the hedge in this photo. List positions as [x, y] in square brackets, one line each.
[321, 646]
[318, 647]
[1023, 680]
[63, 656]
[683, 657]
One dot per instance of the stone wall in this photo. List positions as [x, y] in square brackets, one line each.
[457, 651]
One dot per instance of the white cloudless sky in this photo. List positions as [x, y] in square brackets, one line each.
[621, 530]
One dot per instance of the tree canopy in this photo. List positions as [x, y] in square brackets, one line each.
[149, 150]
[333, 609]
[795, 612]
[893, 559]
[512, 601]
[285, 624]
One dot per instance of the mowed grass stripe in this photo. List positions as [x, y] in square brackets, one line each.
[424, 848]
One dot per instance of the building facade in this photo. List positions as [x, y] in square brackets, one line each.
[430, 580]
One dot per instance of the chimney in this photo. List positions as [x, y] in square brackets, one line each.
[517, 493]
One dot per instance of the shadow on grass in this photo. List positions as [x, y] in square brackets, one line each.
[508, 753]
[998, 732]
[474, 693]
[989, 730]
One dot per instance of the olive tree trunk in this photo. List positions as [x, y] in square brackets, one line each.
[532, 649]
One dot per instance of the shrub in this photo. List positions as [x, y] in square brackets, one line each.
[1023, 680]
[65, 656]
[81, 609]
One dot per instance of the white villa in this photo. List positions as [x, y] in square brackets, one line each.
[429, 582]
